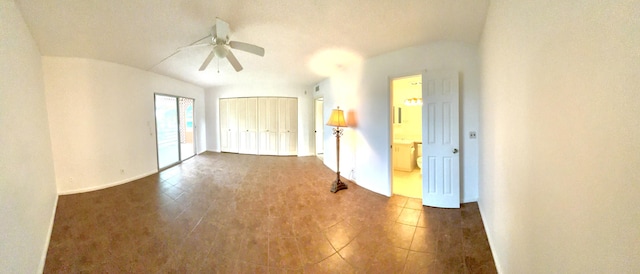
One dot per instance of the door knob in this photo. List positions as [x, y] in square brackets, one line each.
[455, 150]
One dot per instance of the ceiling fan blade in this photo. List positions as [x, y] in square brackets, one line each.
[234, 62]
[247, 47]
[221, 30]
[207, 61]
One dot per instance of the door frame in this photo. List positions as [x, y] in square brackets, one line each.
[391, 121]
[390, 126]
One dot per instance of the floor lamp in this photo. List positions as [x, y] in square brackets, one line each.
[337, 120]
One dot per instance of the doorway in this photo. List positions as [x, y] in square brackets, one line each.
[440, 138]
[175, 129]
[406, 132]
[319, 127]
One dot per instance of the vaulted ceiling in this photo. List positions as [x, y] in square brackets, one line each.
[305, 40]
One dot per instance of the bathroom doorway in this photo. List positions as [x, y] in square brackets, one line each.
[319, 127]
[406, 133]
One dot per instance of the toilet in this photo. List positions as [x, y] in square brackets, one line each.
[419, 155]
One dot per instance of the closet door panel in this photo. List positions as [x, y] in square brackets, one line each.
[233, 125]
[241, 113]
[252, 114]
[262, 115]
[224, 124]
[272, 130]
[250, 130]
[272, 114]
[232, 114]
[228, 125]
[282, 114]
[252, 142]
[241, 116]
[262, 125]
[267, 126]
[292, 145]
[293, 126]
[287, 126]
[293, 114]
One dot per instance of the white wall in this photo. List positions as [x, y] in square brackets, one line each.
[27, 183]
[363, 91]
[306, 145]
[102, 121]
[560, 154]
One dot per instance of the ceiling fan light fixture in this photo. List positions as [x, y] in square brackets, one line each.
[220, 51]
[222, 46]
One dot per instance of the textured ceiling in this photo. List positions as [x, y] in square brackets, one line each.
[304, 40]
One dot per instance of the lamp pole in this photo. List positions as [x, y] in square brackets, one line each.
[337, 184]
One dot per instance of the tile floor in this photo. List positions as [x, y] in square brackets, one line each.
[231, 213]
[407, 184]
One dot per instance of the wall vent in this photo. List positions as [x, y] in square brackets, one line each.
[317, 88]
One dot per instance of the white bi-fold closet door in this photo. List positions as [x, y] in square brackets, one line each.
[287, 126]
[259, 125]
[247, 125]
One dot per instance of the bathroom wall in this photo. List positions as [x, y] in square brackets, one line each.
[408, 125]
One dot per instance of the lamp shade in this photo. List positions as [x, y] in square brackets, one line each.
[337, 119]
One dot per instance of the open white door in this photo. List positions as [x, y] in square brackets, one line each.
[440, 139]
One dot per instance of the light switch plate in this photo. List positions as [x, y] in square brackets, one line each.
[472, 134]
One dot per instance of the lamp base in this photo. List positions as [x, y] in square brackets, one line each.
[338, 185]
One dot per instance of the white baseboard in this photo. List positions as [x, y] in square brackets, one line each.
[43, 258]
[87, 189]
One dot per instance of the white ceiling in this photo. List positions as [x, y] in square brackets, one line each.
[304, 40]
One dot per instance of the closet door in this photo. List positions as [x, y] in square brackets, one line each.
[293, 126]
[287, 126]
[247, 125]
[228, 125]
[268, 126]
[224, 124]
[241, 114]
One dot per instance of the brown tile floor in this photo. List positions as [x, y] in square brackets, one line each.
[246, 214]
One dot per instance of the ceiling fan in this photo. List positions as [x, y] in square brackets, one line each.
[222, 46]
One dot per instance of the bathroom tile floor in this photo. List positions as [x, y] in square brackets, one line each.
[407, 184]
[231, 213]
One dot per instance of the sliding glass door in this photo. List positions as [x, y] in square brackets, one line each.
[174, 129]
[187, 144]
